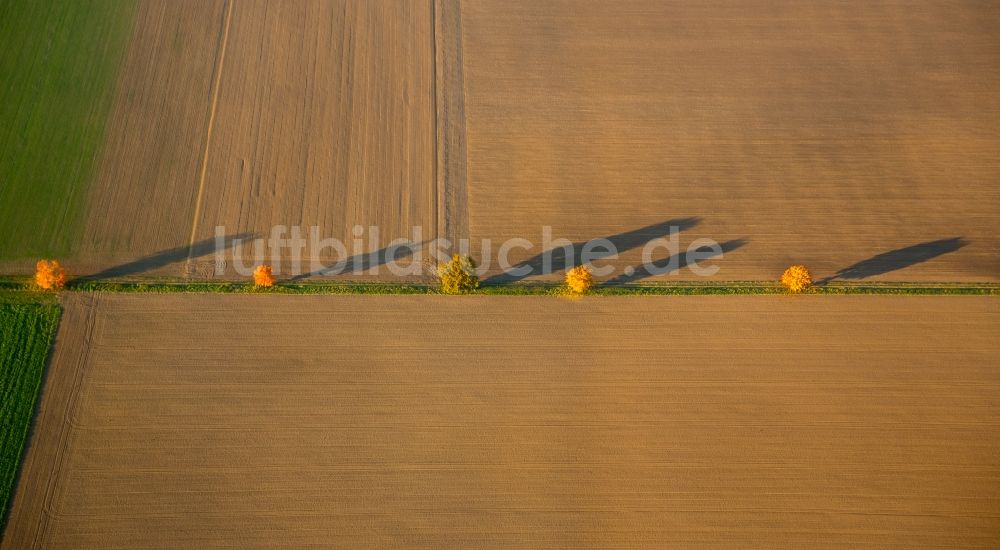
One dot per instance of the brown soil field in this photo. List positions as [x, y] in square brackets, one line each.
[249, 114]
[325, 118]
[817, 133]
[143, 196]
[209, 421]
[857, 139]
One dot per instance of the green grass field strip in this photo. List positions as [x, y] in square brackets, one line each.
[26, 331]
[59, 60]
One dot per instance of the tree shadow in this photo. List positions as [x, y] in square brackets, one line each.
[898, 259]
[170, 256]
[558, 259]
[682, 260]
[364, 262]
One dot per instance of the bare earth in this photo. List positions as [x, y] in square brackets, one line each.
[250, 114]
[325, 118]
[858, 139]
[823, 133]
[207, 421]
[143, 196]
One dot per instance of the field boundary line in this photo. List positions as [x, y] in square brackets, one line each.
[216, 84]
[23, 286]
[436, 98]
[450, 148]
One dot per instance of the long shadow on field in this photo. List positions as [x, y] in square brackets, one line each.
[359, 263]
[898, 259]
[170, 256]
[672, 264]
[565, 257]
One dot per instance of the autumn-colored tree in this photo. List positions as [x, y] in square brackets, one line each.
[796, 278]
[579, 279]
[458, 276]
[49, 275]
[262, 276]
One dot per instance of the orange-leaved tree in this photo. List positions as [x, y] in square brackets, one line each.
[263, 277]
[49, 275]
[796, 278]
[579, 279]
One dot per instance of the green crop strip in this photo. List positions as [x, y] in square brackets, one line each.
[27, 325]
[23, 286]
